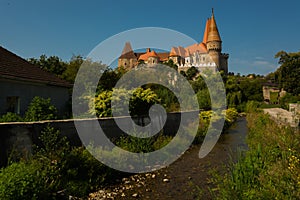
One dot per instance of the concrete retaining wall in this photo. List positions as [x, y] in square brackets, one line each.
[20, 136]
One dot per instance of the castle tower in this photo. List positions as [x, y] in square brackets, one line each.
[128, 58]
[213, 41]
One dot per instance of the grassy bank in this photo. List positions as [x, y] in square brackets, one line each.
[270, 169]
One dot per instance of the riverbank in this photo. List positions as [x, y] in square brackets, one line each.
[270, 169]
[187, 178]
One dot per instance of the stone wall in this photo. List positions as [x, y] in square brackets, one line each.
[295, 108]
[20, 136]
[283, 117]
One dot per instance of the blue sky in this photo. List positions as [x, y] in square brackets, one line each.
[252, 31]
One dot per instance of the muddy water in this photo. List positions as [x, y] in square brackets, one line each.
[187, 178]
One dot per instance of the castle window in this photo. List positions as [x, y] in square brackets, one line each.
[125, 64]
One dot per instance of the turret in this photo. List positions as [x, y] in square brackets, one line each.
[214, 42]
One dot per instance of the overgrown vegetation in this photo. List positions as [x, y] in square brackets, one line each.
[144, 145]
[271, 167]
[139, 103]
[38, 109]
[11, 117]
[55, 171]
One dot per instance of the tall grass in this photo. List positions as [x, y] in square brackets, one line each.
[270, 169]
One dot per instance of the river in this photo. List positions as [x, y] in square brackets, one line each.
[187, 178]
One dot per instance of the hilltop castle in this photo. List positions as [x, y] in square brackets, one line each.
[205, 55]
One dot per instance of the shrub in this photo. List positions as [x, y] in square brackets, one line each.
[52, 144]
[40, 109]
[82, 173]
[74, 170]
[136, 144]
[55, 171]
[22, 181]
[11, 117]
[140, 102]
[145, 145]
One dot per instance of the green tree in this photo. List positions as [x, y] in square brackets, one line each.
[251, 89]
[142, 100]
[171, 64]
[168, 99]
[288, 74]
[109, 79]
[198, 84]
[192, 73]
[72, 68]
[204, 99]
[52, 64]
[40, 109]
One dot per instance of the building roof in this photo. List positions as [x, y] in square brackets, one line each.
[201, 48]
[16, 68]
[148, 54]
[206, 31]
[152, 54]
[163, 56]
[178, 51]
[173, 52]
[213, 32]
[127, 51]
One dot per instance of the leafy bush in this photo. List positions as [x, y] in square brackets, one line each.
[82, 173]
[204, 99]
[136, 144]
[140, 102]
[76, 171]
[23, 181]
[11, 117]
[231, 115]
[168, 99]
[145, 145]
[55, 171]
[52, 144]
[287, 99]
[205, 118]
[40, 109]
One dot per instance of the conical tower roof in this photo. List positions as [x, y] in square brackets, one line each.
[205, 36]
[213, 33]
[127, 51]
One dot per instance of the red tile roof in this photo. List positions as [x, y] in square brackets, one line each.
[163, 56]
[201, 48]
[15, 67]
